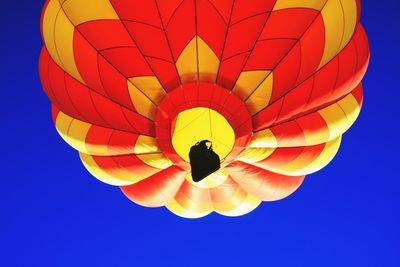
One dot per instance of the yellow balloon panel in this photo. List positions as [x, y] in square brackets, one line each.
[79, 11]
[259, 99]
[247, 205]
[142, 103]
[211, 181]
[145, 145]
[198, 124]
[179, 210]
[104, 176]
[312, 4]
[340, 18]
[149, 86]
[340, 115]
[187, 63]
[156, 160]
[208, 62]
[73, 131]
[197, 62]
[249, 81]
[251, 155]
[303, 166]
[263, 139]
[58, 34]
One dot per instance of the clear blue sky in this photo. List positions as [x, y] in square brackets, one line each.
[53, 213]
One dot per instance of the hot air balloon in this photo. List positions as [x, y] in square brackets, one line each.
[134, 85]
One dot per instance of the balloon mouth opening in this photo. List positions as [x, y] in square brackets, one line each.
[196, 125]
[201, 111]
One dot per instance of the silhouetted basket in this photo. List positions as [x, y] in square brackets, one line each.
[204, 160]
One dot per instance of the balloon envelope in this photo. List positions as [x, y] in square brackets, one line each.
[135, 84]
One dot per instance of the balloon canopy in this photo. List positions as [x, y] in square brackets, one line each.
[273, 85]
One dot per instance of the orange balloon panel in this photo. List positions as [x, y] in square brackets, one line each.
[272, 84]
